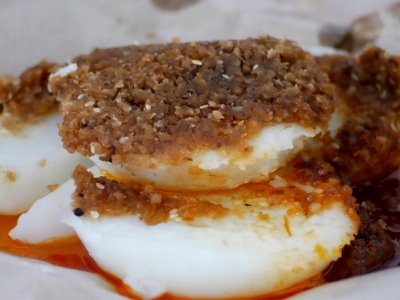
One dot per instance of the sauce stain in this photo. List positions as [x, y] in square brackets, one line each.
[70, 253]
[66, 252]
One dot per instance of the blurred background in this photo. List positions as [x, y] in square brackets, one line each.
[32, 30]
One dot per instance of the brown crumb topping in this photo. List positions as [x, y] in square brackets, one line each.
[174, 98]
[304, 187]
[108, 197]
[27, 96]
[367, 147]
[377, 245]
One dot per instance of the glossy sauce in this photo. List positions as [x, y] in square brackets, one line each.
[67, 252]
[71, 253]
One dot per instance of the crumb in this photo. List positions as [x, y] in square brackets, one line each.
[168, 99]
[52, 187]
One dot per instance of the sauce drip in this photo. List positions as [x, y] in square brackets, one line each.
[70, 253]
[67, 252]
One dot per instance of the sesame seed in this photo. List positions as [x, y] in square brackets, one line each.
[94, 214]
[155, 198]
[92, 149]
[97, 110]
[196, 62]
[354, 76]
[212, 104]
[147, 106]
[126, 107]
[237, 108]
[123, 139]
[99, 185]
[80, 96]
[119, 84]
[314, 207]
[159, 123]
[271, 53]
[204, 106]
[116, 122]
[173, 216]
[278, 182]
[118, 99]
[255, 67]
[89, 103]
[226, 76]
[217, 115]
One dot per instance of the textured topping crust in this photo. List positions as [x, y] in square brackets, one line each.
[101, 196]
[305, 187]
[367, 147]
[174, 98]
[27, 97]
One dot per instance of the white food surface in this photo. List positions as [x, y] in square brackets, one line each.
[36, 158]
[42, 221]
[232, 257]
[217, 169]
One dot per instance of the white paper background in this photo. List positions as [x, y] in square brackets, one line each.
[31, 30]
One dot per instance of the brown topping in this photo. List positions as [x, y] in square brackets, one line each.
[377, 245]
[303, 191]
[108, 197]
[28, 97]
[368, 145]
[318, 174]
[175, 98]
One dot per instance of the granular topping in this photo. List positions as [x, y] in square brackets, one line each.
[174, 98]
[367, 147]
[303, 187]
[27, 97]
[377, 245]
[102, 196]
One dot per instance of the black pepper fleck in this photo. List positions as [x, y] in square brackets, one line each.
[78, 212]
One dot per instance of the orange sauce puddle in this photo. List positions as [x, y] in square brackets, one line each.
[66, 252]
[70, 253]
